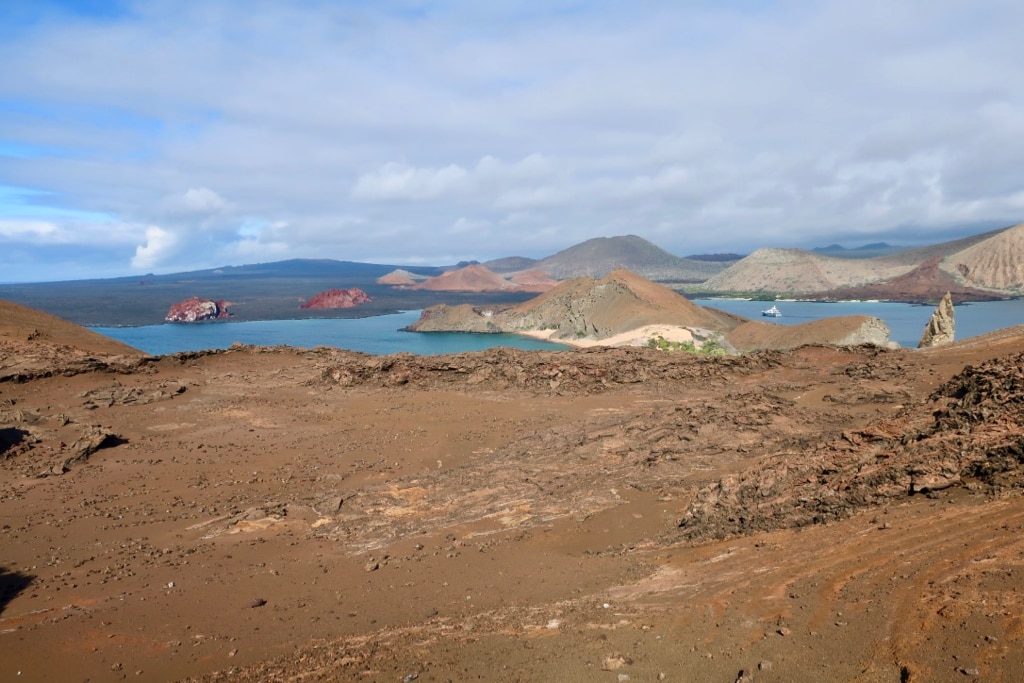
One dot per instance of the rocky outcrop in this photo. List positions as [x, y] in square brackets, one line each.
[849, 330]
[966, 434]
[338, 298]
[941, 327]
[195, 309]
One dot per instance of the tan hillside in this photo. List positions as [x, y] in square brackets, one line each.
[583, 308]
[474, 278]
[919, 255]
[797, 271]
[995, 263]
[919, 285]
[401, 278]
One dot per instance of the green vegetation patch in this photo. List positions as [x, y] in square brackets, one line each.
[708, 348]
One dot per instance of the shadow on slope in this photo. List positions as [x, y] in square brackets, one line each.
[11, 584]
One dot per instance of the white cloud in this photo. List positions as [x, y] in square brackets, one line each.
[354, 130]
[27, 229]
[194, 202]
[402, 182]
[160, 245]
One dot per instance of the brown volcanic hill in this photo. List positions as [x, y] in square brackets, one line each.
[796, 271]
[27, 325]
[37, 344]
[473, 278]
[337, 298]
[926, 283]
[995, 263]
[583, 307]
[602, 255]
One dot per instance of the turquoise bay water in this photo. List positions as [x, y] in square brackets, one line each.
[381, 335]
[378, 335]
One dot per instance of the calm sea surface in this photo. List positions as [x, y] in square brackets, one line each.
[381, 335]
[378, 335]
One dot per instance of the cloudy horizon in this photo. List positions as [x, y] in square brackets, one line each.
[156, 136]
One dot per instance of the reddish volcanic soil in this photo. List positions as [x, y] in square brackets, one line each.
[285, 515]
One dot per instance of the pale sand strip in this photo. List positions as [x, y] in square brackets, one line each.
[637, 337]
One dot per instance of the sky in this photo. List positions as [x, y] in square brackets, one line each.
[153, 136]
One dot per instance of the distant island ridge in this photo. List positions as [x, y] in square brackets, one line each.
[986, 266]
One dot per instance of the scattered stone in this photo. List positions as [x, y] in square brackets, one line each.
[258, 602]
[744, 677]
[616, 661]
[783, 631]
[371, 566]
[764, 665]
[970, 672]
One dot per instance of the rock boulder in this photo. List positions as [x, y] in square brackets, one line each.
[338, 298]
[195, 309]
[941, 326]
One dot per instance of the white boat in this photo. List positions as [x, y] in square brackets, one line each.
[772, 312]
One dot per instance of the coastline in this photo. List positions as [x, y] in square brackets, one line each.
[635, 337]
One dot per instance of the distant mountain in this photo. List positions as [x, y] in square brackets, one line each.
[400, 277]
[866, 251]
[989, 265]
[715, 258]
[599, 256]
[511, 264]
[479, 278]
[796, 271]
[296, 268]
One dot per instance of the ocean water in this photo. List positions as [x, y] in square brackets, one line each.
[377, 335]
[382, 335]
[906, 321]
